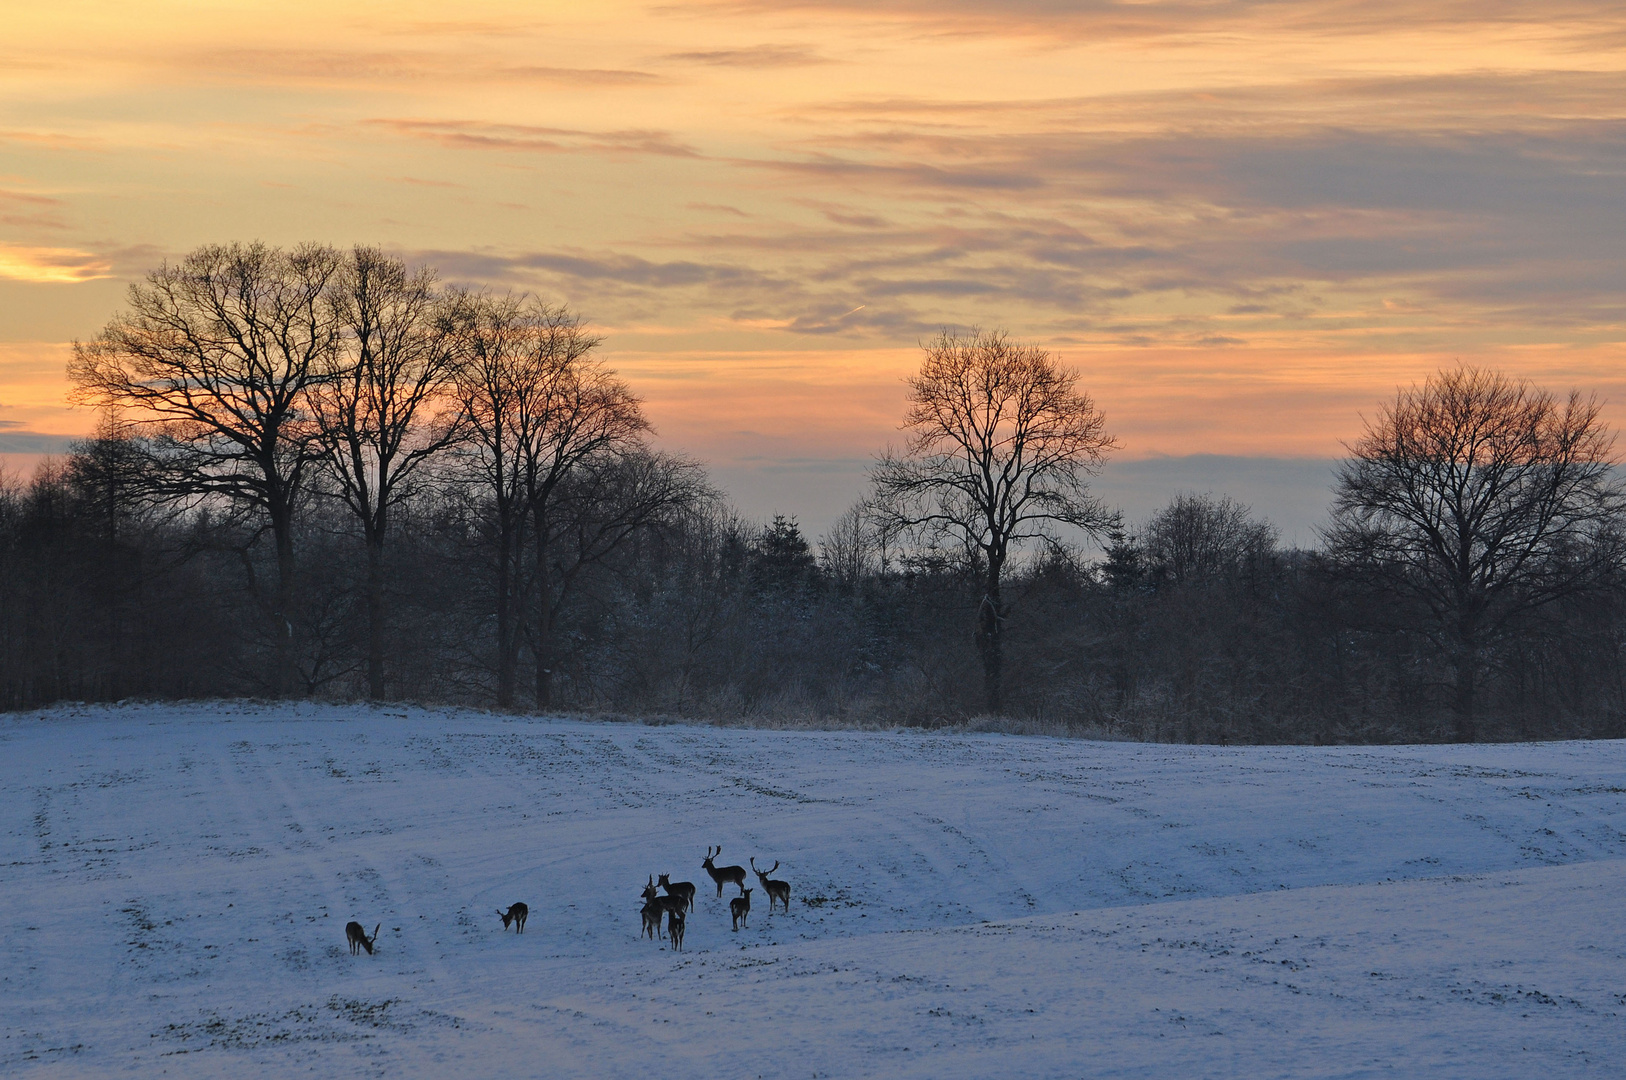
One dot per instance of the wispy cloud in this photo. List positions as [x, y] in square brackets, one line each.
[485, 135]
[49, 265]
[717, 208]
[1100, 20]
[755, 56]
[1361, 187]
[16, 440]
[913, 174]
[24, 210]
[359, 65]
[599, 267]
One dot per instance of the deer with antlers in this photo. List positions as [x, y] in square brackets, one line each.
[776, 890]
[356, 935]
[740, 907]
[683, 889]
[658, 904]
[734, 874]
[515, 914]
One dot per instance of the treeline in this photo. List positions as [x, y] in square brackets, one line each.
[1197, 628]
[321, 474]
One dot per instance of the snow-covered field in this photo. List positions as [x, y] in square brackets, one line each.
[176, 883]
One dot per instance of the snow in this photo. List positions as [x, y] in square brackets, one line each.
[177, 880]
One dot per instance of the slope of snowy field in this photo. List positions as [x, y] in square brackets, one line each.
[177, 879]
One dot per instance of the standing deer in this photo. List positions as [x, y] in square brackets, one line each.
[669, 902]
[685, 889]
[356, 934]
[651, 912]
[516, 915]
[740, 907]
[736, 874]
[674, 927]
[776, 890]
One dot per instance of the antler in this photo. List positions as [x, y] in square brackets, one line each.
[774, 867]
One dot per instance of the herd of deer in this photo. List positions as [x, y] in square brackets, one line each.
[679, 898]
[675, 905]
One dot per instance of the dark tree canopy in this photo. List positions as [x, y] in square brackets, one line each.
[1202, 537]
[784, 559]
[1482, 498]
[383, 408]
[1001, 446]
[213, 358]
[476, 501]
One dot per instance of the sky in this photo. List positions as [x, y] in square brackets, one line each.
[1245, 222]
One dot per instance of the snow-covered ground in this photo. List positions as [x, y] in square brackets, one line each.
[177, 879]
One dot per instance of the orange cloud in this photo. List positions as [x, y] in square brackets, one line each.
[1246, 220]
[51, 265]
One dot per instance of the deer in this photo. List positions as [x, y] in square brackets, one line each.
[515, 914]
[735, 874]
[356, 935]
[675, 920]
[740, 907]
[654, 904]
[652, 919]
[669, 902]
[684, 889]
[776, 890]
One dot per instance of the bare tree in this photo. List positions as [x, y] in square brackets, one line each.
[384, 409]
[494, 387]
[1001, 445]
[577, 426]
[213, 359]
[1201, 537]
[850, 551]
[549, 421]
[1482, 498]
[609, 497]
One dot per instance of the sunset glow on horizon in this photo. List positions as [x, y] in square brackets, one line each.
[1245, 222]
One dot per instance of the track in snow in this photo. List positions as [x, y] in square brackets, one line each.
[177, 880]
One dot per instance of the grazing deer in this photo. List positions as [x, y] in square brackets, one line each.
[776, 890]
[356, 934]
[516, 915]
[674, 927]
[685, 889]
[740, 907]
[736, 874]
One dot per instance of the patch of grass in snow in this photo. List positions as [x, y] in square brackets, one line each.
[300, 1024]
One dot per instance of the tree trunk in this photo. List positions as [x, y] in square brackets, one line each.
[1463, 705]
[1466, 662]
[375, 618]
[286, 675]
[991, 639]
[507, 655]
[544, 623]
